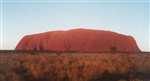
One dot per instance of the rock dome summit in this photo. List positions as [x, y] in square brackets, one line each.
[78, 40]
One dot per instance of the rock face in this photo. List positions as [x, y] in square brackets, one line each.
[79, 40]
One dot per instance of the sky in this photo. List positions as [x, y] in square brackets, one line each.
[22, 17]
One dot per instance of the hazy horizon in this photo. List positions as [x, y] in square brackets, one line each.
[20, 18]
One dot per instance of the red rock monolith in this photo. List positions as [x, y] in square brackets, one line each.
[78, 40]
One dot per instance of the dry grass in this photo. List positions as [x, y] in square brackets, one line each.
[26, 66]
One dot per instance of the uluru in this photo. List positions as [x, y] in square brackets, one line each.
[78, 40]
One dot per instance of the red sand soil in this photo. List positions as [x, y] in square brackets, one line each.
[78, 40]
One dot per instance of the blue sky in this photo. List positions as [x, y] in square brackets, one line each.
[22, 17]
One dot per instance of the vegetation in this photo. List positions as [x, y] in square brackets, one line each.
[74, 67]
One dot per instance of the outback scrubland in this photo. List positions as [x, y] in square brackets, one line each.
[46, 66]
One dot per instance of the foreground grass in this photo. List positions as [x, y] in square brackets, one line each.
[38, 66]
